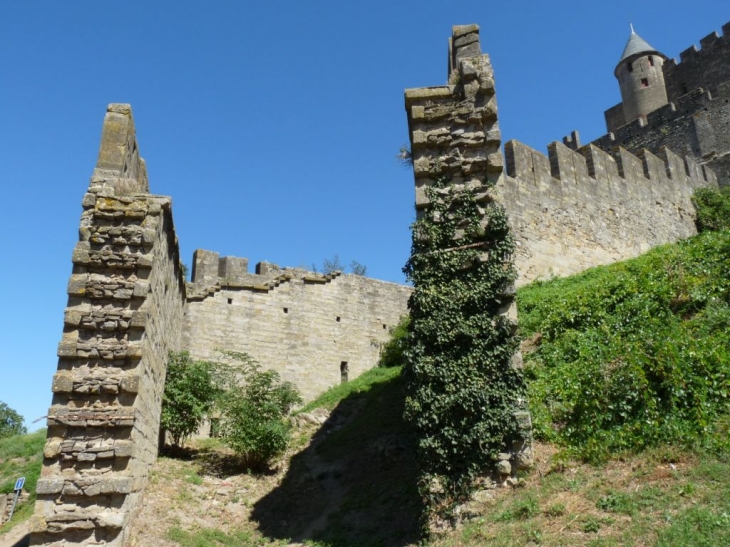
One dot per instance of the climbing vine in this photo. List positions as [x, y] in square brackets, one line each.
[462, 390]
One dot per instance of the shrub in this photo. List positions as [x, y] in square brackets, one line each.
[11, 423]
[253, 410]
[713, 208]
[190, 392]
[392, 353]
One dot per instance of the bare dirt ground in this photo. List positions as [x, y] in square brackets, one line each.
[18, 536]
[191, 495]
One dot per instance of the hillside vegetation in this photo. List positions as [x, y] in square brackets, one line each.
[635, 354]
[21, 456]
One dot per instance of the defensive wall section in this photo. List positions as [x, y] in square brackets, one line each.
[129, 305]
[706, 67]
[695, 125]
[568, 210]
[696, 121]
[315, 330]
[574, 210]
[125, 310]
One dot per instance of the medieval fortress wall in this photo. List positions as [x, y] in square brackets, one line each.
[695, 121]
[315, 330]
[129, 306]
[128, 303]
[570, 209]
[573, 210]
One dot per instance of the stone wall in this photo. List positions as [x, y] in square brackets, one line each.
[696, 122]
[696, 125]
[310, 328]
[707, 67]
[6, 504]
[573, 210]
[125, 309]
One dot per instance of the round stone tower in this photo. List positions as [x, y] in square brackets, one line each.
[641, 79]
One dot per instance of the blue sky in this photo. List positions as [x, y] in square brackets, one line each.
[273, 125]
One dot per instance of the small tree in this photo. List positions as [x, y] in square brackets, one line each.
[358, 268]
[11, 423]
[332, 265]
[253, 408]
[190, 392]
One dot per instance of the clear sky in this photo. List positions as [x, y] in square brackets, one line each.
[273, 125]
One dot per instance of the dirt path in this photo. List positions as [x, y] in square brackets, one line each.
[19, 536]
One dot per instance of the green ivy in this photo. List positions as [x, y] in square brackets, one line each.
[462, 390]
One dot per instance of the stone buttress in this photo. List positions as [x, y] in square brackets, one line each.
[125, 307]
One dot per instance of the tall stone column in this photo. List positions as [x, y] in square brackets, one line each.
[125, 307]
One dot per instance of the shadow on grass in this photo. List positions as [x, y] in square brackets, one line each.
[355, 484]
[211, 461]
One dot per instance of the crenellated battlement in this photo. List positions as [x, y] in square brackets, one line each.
[570, 210]
[213, 273]
[591, 165]
[692, 126]
[707, 47]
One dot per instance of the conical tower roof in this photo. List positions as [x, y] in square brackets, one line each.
[636, 46]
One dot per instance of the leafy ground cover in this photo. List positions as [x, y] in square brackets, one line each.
[634, 354]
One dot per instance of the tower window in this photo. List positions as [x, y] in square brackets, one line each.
[630, 66]
[651, 60]
[644, 82]
[344, 372]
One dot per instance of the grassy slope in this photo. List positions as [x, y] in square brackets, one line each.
[662, 318]
[21, 456]
[634, 354]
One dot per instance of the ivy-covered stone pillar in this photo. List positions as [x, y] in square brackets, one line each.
[466, 392]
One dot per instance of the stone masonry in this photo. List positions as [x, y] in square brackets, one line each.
[128, 303]
[125, 310]
[694, 118]
[573, 210]
[315, 330]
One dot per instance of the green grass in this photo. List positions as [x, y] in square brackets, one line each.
[360, 385]
[21, 456]
[210, 537]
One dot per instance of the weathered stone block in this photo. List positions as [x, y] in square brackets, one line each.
[51, 485]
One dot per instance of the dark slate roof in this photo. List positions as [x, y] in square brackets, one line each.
[636, 45]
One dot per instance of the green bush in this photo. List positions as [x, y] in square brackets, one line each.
[634, 354]
[11, 423]
[392, 353]
[190, 393]
[713, 208]
[253, 410]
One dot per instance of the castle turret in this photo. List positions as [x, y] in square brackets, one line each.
[641, 79]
